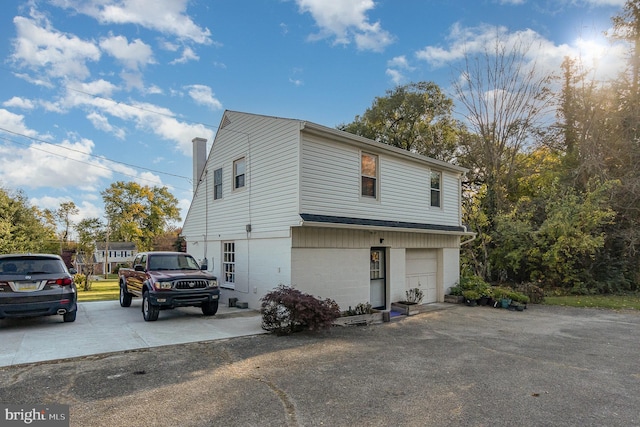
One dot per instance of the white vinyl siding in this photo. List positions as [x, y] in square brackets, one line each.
[330, 185]
[270, 200]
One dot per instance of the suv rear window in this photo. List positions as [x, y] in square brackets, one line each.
[30, 265]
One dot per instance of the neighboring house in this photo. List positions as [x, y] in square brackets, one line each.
[109, 255]
[284, 201]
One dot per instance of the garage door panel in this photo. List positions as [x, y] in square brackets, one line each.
[421, 272]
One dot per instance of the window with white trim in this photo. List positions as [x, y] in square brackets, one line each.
[229, 263]
[239, 169]
[369, 175]
[217, 184]
[436, 189]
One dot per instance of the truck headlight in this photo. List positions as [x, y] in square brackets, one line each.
[164, 285]
[213, 283]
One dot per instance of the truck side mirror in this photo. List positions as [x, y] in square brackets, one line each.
[138, 267]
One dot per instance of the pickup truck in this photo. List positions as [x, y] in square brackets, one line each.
[166, 280]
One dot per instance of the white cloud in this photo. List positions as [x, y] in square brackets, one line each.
[101, 122]
[187, 55]
[607, 60]
[17, 102]
[15, 123]
[166, 16]
[134, 55]
[396, 76]
[397, 66]
[203, 95]
[68, 164]
[41, 48]
[347, 21]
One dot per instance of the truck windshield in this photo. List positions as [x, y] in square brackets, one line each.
[172, 262]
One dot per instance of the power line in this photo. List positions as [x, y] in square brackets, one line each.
[86, 154]
[87, 163]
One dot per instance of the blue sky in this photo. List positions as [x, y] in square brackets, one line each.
[97, 91]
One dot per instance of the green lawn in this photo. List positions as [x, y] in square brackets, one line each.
[614, 302]
[101, 290]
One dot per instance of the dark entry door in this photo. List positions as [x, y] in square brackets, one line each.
[377, 277]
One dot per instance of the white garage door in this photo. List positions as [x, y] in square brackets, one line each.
[421, 268]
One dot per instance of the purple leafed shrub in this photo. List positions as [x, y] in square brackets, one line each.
[286, 310]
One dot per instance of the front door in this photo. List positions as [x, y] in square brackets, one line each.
[377, 277]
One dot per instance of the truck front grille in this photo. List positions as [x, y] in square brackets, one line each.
[190, 284]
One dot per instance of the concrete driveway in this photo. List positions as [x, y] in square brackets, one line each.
[461, 366]
[104, 327]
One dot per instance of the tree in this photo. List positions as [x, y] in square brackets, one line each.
[416, 117]
[505, 100]
[63, 215]
[23, 228]
[90, 231]
[139, 213]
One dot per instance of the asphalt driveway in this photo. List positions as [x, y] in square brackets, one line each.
[461, 366]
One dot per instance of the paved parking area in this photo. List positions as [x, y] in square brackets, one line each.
[459, 366]
[104, 327]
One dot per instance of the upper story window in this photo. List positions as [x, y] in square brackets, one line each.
[239, 168]
[436, 189]
[217, 184]
[369, 175]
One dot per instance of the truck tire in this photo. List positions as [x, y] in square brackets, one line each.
[125, 297]
[210, 308]
[150, 312]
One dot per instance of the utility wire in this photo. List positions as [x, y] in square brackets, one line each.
[85, 153]
[98, 166]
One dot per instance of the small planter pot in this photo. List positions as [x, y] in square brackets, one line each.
[505, 302]
[472, 302]
[484, 300]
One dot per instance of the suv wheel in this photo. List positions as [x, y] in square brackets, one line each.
[69, 316]
[125, 297]
[150, 312]
[209, 308]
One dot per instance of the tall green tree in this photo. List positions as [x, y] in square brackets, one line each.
[417, 117]
[23, 228]
[139, 213]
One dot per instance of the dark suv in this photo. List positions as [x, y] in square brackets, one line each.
[36, 285]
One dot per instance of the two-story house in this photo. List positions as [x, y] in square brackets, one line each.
[284, 201]
[108, 255]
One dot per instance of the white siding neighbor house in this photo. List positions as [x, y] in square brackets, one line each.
[284, 201]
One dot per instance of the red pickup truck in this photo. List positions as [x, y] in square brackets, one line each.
[166, 280]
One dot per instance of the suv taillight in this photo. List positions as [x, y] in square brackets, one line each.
[65, 281]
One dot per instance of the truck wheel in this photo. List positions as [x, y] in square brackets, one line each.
[209, 308]
[150, 312]
[125, 297]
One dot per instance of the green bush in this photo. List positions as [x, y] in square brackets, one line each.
[475, 283]
[455, 291]
[471, 294]
[286, 310]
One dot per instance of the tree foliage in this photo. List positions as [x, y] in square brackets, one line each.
[417, 117]
[24, 228]
[556, 203]
[139, 213]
